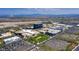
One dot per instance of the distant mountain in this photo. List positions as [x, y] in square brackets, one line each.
[39, 15]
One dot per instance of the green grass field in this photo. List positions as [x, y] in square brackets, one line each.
[38, 38]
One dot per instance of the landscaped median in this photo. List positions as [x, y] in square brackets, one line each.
[1, 42]
[38, 38]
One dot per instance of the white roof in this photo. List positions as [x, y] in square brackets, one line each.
[12, 39]
[69, 25]
[28, 34]
[54, 27]
[77, 24]
[53, 31]
[29, 31]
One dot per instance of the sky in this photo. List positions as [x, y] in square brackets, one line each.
[27, 11]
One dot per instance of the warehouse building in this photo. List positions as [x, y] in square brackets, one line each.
[11, 39]
[6, 34]
[8, 38]
[52, 32]
[27, 32]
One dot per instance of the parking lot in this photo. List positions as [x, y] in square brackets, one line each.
[16, 46]
[55, 45]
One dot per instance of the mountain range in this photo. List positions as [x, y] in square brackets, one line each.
[39, 15]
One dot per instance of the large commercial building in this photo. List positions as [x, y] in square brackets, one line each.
[37, 26]
[6, 34]
[27, 32]
[8, 38]
[11, 39]
[52, 32]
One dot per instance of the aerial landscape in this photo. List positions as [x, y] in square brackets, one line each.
[39, 29]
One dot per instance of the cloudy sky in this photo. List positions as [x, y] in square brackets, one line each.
[26, 11]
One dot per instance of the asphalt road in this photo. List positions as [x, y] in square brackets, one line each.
[76, 48]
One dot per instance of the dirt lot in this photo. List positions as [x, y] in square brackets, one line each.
[18, 23]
